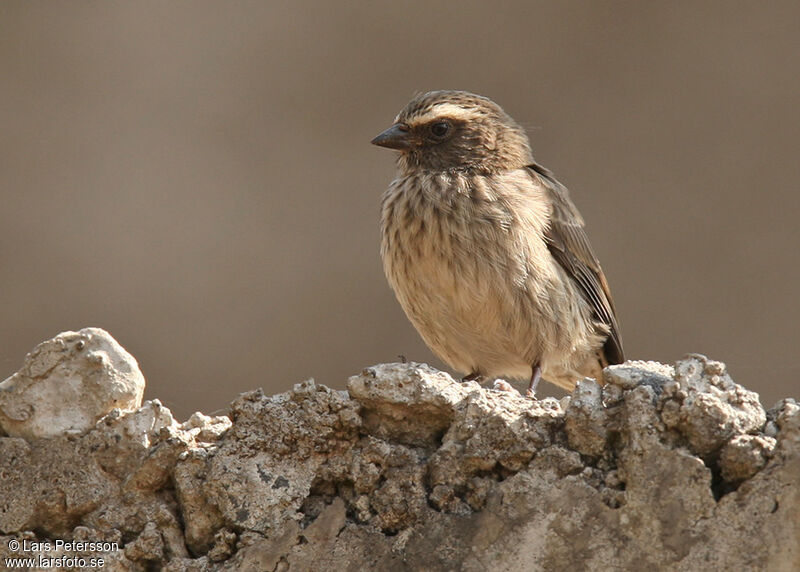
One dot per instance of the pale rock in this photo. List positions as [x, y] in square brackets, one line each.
[67, 384]
[663, 468]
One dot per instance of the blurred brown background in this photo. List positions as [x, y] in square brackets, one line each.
[196, 177]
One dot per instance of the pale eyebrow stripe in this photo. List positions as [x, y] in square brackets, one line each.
[447, 110]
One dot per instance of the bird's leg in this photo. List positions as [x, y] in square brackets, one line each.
[536, 375]
[474, 376]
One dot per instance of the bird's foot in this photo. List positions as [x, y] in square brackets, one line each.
[474, 376]
[503, 385]
[536, 375]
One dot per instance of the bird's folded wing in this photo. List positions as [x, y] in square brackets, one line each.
[569, 245]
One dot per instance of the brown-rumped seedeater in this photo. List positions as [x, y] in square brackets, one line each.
[486, 252]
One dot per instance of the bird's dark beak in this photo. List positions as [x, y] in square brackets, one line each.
[398, 136]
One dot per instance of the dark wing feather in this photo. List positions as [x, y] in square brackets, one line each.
[569, 245]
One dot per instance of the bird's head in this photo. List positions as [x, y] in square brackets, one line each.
[456, 130]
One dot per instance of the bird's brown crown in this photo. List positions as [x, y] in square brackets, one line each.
[456, 130]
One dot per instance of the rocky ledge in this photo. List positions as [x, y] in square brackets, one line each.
[663, 467]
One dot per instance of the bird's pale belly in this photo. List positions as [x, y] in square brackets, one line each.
[471, 315]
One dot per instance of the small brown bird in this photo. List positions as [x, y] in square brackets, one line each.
[485, 250]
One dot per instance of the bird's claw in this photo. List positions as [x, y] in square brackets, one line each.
[502, 385]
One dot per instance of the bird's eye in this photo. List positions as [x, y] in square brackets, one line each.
[440, 129]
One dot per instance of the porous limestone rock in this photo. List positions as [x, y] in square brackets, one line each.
[707, 407]
[663, 467]
[68, 383]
